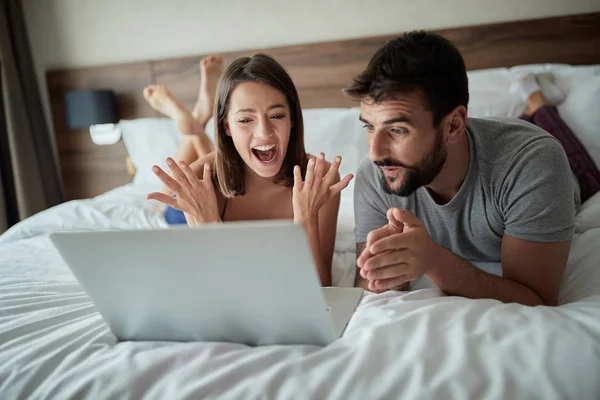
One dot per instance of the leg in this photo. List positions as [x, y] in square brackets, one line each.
[211, 68]
[546, 116]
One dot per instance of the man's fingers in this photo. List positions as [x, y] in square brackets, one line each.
[377, 234]
[397, 241]
[363, 257]
[163, 198]
[387, 272]
[406, 217]
[393, 221]
[380, 285]
[384, 259]
[169, 182]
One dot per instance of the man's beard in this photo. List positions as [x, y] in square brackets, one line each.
[420, 175]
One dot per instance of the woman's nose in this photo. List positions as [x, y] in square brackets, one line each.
[263, 129]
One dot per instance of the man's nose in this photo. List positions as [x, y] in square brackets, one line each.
[378, 146]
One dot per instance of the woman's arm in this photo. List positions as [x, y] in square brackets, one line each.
[316, 204]
[321, 231]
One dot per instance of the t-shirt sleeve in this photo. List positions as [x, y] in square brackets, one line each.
[369, 207]
[537, 194]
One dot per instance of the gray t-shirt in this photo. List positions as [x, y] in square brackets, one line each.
[518, 183]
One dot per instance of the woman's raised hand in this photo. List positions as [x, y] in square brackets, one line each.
[319, 185]
[195, 197]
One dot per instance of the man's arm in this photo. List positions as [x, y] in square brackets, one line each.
[532, 270]
[532, 273]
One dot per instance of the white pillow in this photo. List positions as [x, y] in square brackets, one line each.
[336, 132]
[149, 141]
[490, 94]
[581, 112]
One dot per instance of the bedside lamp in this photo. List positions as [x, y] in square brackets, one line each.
[96, 110]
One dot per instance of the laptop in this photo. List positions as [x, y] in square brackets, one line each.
[242, 282]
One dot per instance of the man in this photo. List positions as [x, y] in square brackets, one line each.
[481, 208]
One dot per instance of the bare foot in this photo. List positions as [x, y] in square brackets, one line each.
[211, 68]
[535, 101]
[160, 99]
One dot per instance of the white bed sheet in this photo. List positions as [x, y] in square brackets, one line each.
[53, 343]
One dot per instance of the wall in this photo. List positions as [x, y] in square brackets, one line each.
[77, 33]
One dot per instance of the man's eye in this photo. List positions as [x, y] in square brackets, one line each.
[368, 127]
[397, 131]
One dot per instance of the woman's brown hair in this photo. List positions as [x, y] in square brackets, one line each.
[229, 166]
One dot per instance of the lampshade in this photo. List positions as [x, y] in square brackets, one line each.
[85, 108]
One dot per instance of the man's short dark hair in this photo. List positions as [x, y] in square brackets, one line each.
[418, 60]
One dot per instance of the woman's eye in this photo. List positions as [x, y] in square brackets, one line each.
[278, 116]
[243, 120]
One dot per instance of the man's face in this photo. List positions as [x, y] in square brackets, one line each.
[409, 151]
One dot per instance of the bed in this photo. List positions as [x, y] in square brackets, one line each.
[421, 344]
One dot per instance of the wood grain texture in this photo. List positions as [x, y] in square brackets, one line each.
[319, 70]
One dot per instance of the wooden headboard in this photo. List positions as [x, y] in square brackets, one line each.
[319, 71]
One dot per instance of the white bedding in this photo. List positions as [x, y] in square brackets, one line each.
[53, 344]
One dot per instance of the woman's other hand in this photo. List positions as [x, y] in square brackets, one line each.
[319, 185]
[193, 196]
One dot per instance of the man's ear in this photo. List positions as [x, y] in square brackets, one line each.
[456, 123]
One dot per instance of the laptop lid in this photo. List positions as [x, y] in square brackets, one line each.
[244, 282]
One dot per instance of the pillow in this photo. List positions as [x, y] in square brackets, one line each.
[336, 132]
[490, 94]
[149, 141]
[580, 113]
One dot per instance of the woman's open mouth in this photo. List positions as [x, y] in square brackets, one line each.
[266, 154]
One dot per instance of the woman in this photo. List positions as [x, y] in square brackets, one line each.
[260, 170]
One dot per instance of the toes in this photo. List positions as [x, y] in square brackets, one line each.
[148, 90]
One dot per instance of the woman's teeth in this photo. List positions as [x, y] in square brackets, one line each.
[264, 148]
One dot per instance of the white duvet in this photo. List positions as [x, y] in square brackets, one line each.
[53, 343]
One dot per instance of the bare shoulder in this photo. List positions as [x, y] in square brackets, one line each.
[198, 165]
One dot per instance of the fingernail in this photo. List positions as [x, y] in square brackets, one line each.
[321, 156]
[155, 168]
[338, 159]
[169, 161]
[182, 164]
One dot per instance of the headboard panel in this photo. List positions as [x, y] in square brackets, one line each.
[319, 71]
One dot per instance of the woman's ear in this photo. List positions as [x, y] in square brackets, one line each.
[226, 126]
